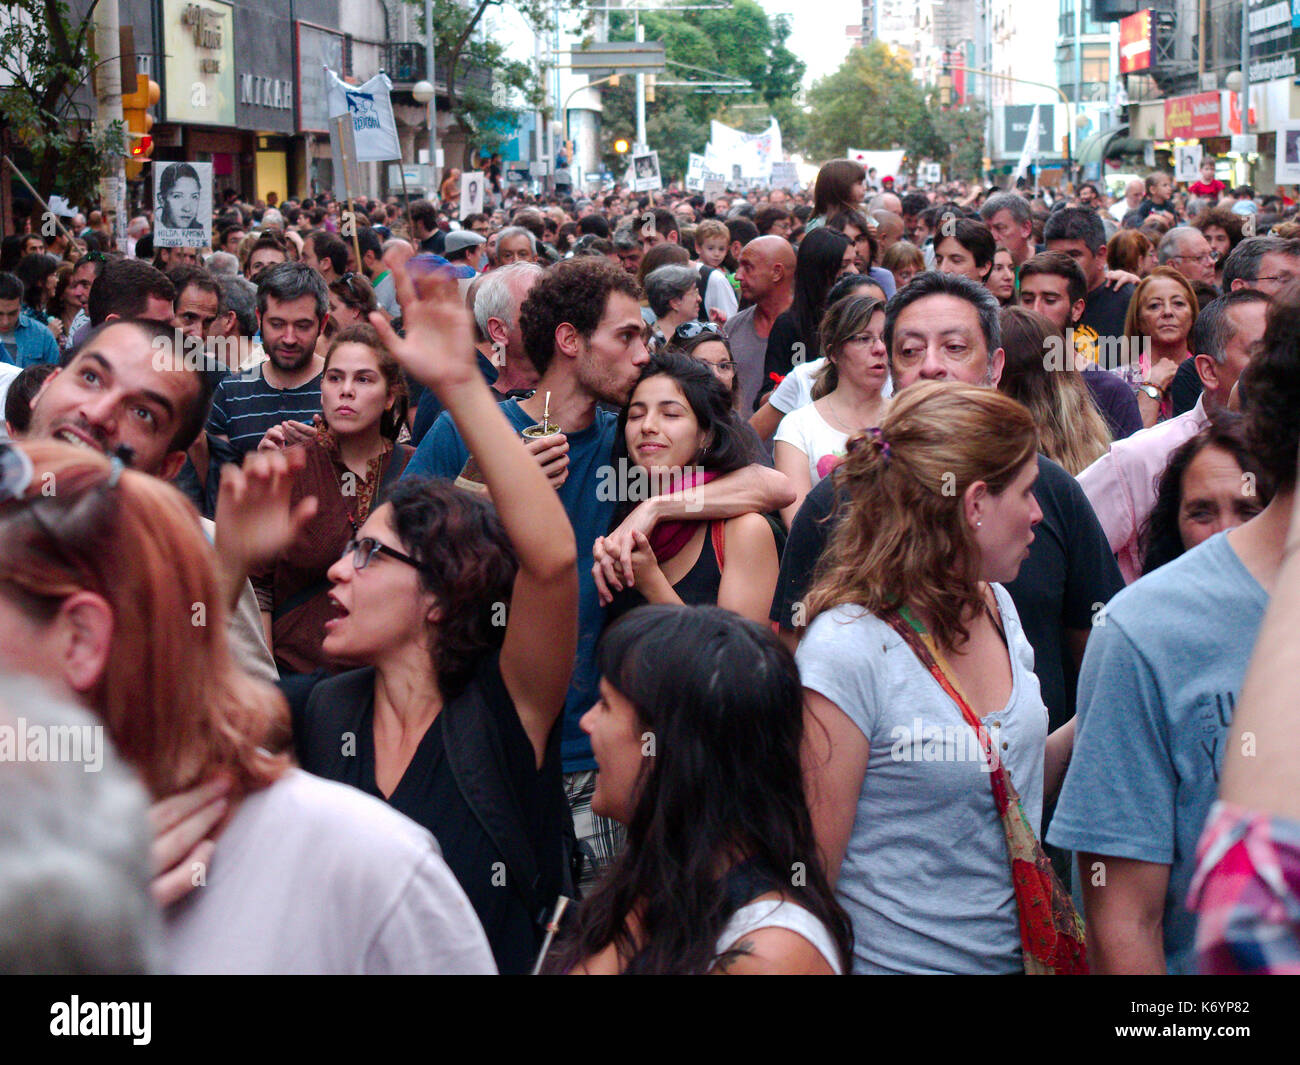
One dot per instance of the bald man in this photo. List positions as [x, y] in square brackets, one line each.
[889, 231]
[886, 201]
[766, 277]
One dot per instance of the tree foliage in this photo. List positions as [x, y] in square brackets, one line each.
[741, 43]
[487, 91]
[873, 102]
[46, 57]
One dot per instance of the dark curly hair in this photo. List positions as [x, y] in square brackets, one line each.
[1269, 390]
[576, 292]
[466, 560]
[1160, 539]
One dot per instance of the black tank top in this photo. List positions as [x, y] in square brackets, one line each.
[697, 587]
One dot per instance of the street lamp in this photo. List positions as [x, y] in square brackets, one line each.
[423, 93]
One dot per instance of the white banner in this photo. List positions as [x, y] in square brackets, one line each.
[1030, 150]
[694, 173]
[371, 108]
[885, 164]
[754, 153]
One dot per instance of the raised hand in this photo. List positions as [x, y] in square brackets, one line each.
[438, 349]
[254, 520]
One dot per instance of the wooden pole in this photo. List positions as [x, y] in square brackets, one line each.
[347, 188]
[13, 166]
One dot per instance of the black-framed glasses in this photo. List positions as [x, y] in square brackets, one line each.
[690, 330]
[365, 548]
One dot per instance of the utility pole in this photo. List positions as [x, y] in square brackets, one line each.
[433, 100]
[108, 109]
[641, 145]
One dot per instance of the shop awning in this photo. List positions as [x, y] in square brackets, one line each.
[1103, 145]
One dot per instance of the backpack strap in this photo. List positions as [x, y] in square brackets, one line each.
[718, 533]
[702, 283]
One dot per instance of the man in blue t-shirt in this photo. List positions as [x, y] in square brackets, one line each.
[1159, 683]
[582, 330]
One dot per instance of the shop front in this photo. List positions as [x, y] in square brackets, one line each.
[264, 103]
[198, 110]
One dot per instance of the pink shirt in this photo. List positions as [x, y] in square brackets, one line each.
[1121, 485]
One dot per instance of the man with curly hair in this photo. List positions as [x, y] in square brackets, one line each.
[1158, 688]
[583, 332]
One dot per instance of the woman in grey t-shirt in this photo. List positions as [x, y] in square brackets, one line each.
[941, 508]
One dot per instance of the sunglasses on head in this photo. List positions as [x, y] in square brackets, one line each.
[690, 330]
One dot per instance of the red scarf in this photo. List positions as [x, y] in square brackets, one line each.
[669, 537]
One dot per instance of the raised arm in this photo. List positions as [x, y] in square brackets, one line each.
[542, 618]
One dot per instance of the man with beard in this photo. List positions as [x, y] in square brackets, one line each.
[582, 330]
[284, 391]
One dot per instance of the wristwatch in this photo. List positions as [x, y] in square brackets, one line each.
[1151, 390]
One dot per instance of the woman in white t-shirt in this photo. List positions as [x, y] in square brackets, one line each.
[697, 735]
[795, 389]
[846, 396]
[922, 709]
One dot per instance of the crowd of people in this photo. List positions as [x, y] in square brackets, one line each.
[801, 581]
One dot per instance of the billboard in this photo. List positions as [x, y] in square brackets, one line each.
[1135, 42]
[1193, 116]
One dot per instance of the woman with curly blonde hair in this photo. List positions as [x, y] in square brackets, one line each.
[921, 702]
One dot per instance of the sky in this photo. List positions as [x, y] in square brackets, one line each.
[818, 31]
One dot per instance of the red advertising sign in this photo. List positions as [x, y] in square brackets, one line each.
[1135, 42]
[1193, 116]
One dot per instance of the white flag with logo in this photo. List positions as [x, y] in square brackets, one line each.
[1030, 150]
[371, 108]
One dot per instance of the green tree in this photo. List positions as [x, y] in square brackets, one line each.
[872, 101]
[487, 92]
[46, 56]
[741, 42]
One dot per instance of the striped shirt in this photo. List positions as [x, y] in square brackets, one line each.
[246, 406]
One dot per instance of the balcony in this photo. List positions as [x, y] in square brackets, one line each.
[404, 63]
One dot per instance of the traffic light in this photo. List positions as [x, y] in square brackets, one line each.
[613, 81]
[649, 88]
[135, 112]
[621, 146]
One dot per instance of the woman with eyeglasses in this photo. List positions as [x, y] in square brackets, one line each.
[811, 440]
[680, 430]
[462, 619]
[704, 342]
[352, 458]
[674, 295]
[109, 592]
[796, 388]
[824, 257]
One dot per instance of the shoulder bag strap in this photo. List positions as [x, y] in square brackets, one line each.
[1051, 930]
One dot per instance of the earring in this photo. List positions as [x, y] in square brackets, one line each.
[978, 524]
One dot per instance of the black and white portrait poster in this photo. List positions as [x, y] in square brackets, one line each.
[645, 172]
[472, 184]
[182, 213]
